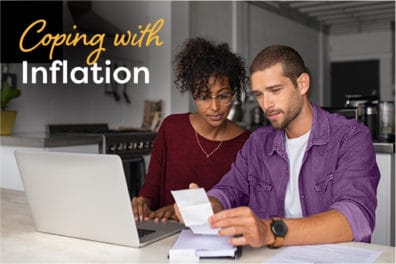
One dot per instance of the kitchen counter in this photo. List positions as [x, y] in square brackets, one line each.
[43, 141]
[21, 243]
[384, 147]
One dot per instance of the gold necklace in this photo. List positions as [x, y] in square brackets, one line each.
[199, 144]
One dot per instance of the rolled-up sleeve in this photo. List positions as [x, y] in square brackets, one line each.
[361, 227]
[356, 179]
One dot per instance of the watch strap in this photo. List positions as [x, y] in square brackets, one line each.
[278, 242]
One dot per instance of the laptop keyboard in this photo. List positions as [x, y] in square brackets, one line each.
[144, 232]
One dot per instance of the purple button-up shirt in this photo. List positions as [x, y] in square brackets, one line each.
[339, 171]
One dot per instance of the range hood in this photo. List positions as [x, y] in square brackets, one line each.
[89, 21]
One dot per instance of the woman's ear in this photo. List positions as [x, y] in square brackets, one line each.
[303, 83]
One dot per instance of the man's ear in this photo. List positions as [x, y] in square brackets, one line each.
[303, 83]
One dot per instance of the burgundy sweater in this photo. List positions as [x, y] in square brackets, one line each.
[177, 160]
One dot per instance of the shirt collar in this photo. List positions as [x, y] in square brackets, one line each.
[278, 144]
[320, 133]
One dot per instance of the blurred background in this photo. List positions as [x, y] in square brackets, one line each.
[349, 47]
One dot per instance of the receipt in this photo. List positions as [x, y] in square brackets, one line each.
[195, 208]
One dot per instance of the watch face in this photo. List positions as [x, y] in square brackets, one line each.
[279, 228]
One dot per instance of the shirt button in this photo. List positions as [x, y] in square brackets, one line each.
[302, 197]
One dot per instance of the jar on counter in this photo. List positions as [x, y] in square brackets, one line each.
[386, 120]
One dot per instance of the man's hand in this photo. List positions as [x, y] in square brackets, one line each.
[243, 225]
[141, 208]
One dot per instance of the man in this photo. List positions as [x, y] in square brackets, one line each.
[309, 178]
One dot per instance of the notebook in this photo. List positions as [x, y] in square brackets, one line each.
[85, 196]
[203, 246]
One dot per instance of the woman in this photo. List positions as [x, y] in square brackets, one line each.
[195, 147]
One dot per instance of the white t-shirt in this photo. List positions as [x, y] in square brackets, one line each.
[295, 148]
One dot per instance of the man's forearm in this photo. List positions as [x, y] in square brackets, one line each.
[327, 227]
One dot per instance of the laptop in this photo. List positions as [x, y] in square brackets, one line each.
[85, 196]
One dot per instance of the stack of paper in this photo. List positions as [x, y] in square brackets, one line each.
[204, 245]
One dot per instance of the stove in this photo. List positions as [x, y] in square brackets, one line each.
[126, 143]
[131, 145]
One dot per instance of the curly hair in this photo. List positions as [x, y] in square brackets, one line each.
[200, 59]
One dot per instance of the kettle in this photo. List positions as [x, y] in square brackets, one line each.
[257, 117]
[371, 119]
[236, 112]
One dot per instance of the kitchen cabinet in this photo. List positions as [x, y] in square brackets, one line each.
[10, 178]
[384, 232]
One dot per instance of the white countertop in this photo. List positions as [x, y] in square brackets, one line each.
[43, 141]
[21, 243]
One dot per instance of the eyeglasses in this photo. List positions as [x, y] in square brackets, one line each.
[224, 99]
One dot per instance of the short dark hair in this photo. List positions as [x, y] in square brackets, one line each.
[292, 63]
[200, 59]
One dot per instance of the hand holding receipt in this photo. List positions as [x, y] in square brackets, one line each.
[195, 208]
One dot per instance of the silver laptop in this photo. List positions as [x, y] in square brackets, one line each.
[85, 196]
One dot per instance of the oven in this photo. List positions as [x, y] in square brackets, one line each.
[131, 145]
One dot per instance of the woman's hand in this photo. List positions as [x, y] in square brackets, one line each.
[163, 214]
[141, 208]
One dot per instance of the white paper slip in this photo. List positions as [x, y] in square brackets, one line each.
[195, 208]
[327, 253]
[204, 246]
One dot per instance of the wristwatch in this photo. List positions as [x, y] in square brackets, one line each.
[279, 229]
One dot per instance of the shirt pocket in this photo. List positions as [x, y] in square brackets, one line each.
[324, 189]
[261, 196]
[324, 184]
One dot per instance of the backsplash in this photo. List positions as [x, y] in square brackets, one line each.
[42, 104]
